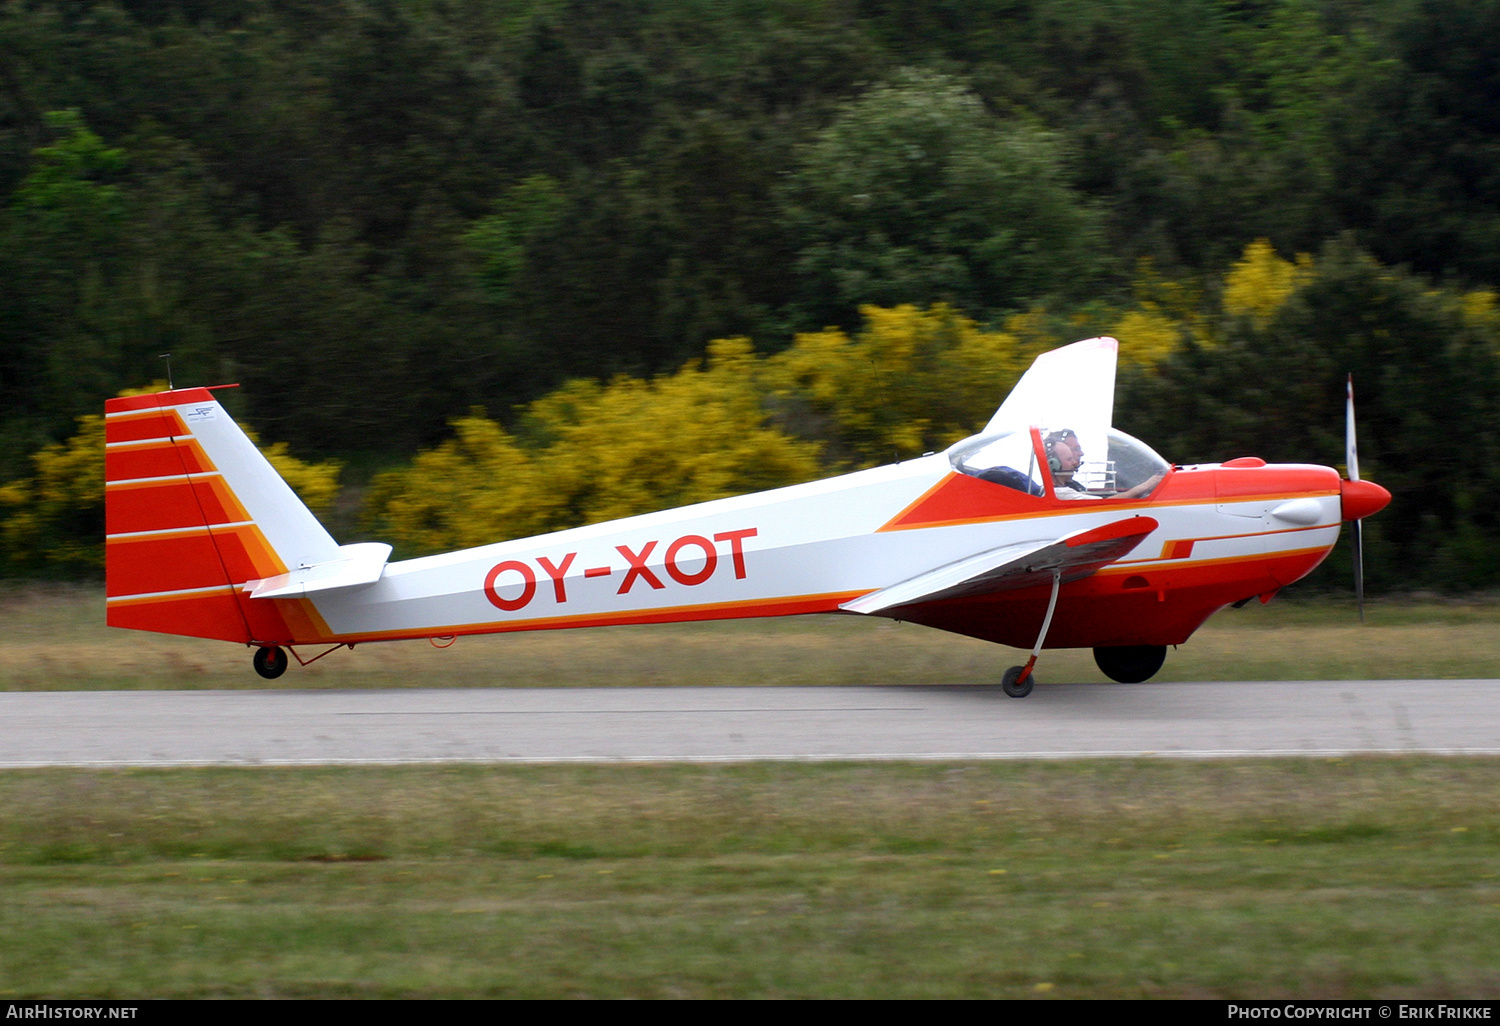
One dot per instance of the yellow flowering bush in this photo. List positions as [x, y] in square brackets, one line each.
[602, 451]
[54, 519]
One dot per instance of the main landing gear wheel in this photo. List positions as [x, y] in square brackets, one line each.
[1009, 683]
[270, 662]
[1130, 664]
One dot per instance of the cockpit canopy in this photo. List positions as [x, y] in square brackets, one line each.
[1009, 458]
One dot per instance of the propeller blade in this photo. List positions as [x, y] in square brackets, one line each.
[1351, 460]
[1351, 449]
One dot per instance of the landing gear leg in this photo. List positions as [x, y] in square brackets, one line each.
[270, 662]
[1018, 680]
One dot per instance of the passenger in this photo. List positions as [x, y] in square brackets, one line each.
[1010, 477]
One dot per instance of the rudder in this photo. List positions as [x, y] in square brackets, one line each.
[193, 513]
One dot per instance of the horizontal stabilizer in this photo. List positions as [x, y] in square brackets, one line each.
[1013, 566]
[359, 565]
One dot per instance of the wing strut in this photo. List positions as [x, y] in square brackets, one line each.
[1036, 649]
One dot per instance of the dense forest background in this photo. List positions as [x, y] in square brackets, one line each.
[791, 235]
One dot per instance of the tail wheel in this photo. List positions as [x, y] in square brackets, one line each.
[1012, 684]
[1130, 664]
[270, 662]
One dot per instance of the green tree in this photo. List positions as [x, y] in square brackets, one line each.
[64, 244]
[916, 193]
[1427, 380]
[1418, 166]
[525, 214]
[910, 381]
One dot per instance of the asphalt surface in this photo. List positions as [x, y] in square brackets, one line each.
[1204, 720]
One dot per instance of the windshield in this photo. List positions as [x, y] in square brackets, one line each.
[1132, 462]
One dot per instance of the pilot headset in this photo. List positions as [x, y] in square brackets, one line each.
[1052, 439]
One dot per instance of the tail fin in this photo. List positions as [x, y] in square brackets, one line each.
[193, 513]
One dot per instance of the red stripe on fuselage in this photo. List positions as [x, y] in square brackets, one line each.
[789, 606]
[960, 499]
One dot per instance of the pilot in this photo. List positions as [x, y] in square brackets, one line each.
[1065, 456]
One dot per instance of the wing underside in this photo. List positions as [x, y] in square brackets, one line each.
[1019, 565]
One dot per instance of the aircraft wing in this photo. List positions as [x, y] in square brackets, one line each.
[1013, 566]
[1072, 387]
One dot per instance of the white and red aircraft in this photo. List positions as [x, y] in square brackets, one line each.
[1017, 535]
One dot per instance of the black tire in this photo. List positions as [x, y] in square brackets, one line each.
[1130, 664]
[1010, 687]
[270, 662]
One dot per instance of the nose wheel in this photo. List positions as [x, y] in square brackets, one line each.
[1014, 685]
[1017, 680]
[270, 662]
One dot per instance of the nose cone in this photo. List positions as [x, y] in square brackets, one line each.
[1362, 499]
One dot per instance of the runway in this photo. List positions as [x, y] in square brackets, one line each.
[1190, 720]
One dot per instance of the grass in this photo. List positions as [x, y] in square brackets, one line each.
[1341, 878]
[55, 639]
